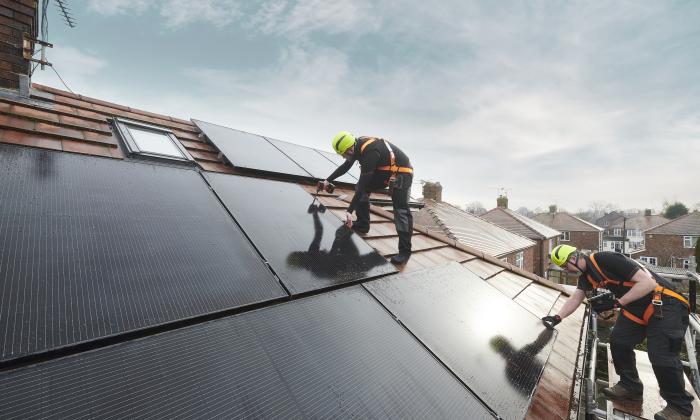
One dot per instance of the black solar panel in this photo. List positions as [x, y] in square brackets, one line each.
[496, 347]
[250, 151]
[307, 247]
[339, 160]
[337, 355]
[93, 247]
[309, 159]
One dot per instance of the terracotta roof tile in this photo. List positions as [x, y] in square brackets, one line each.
[99, 138]
[32, 140]
[197, 145]
[206, 156]
[24, 111]
[8, 121]
[84, 123]
[59, 131]
[216, 167]
[86, 148]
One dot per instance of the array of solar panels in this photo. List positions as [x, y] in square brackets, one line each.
[251, 151]
[95, 248]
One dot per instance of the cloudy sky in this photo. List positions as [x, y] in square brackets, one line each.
[555, 102]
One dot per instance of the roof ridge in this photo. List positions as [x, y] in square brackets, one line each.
[673, 220]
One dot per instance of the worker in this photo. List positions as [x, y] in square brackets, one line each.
[382, 165]
[650, 308]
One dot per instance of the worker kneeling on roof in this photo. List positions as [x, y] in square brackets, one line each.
[382, 165]
[650, 309]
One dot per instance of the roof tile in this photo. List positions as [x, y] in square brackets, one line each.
[32, 140]
[59, 131]
[33, 113]
[8, 121]
[87, 148]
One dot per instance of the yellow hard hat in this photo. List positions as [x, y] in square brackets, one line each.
[561, 253]
[342, 142]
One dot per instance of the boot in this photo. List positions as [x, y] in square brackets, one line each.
[401, 258]
[619, 392]
[669, 413]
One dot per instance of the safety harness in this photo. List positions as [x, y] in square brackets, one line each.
[393, 168]
[655, 300]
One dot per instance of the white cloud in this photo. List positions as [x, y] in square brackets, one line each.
[176, 13]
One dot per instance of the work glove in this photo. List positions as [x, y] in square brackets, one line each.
[551, 321]
[322, 185]
[606, 303]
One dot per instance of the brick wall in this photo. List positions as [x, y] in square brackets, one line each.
[583, 240]
[16, 18]
[528, 258]
[541, 255]
[663, 247]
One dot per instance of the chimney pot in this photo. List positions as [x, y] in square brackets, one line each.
[553, 208]
[432, 191]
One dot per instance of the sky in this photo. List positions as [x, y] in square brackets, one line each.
[568, 103]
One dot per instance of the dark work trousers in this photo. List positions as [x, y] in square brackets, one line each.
[664, 340]
[403, 219]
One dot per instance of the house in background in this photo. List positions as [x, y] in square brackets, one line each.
[609, 218]
[471, 230]
[629, 231]
[671, 244]
[574, 231]
[544, 237]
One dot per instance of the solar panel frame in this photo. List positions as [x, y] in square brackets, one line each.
[339, 354]
[92, 248]
[308, 158]
[496, 347]
[250, 151]
[307, 247]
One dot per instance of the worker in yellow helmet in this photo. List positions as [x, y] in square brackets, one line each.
[650, 308]
[382, 165]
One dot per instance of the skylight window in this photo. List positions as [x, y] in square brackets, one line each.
[150, 140]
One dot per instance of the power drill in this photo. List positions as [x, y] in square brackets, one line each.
[329, 188]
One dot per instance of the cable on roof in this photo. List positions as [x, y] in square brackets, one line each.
[59, 76]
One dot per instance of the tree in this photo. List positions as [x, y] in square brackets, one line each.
[524, 211]
[674, 210]
[697, 256]
[475, 207]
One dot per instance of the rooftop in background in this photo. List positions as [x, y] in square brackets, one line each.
[565, 222]
[522, 225]
[639, 222]
[470, 230]
[684, 225]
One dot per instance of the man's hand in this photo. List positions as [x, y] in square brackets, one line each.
[551, 321]
[348, 220]
[608, 302]
[322, 185]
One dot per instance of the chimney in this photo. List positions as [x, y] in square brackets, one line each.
[18, 22]
[432, 191]
[552, 208]
[647, 212]
[502, 201]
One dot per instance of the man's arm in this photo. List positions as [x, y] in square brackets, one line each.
[643, 285]
[572, 303]
[341, 170]
[368, 163]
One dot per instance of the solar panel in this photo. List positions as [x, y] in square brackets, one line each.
[250, 151]
[336, 355]
[307, 247]
[309, 159]
[496, 347]
[93, 247]
[339, 160]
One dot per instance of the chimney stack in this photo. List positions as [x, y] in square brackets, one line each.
[647, 212]
[502, 201]
[18, 20]
[432, 191]
[552, 208]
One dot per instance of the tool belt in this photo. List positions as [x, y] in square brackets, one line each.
[656, 302]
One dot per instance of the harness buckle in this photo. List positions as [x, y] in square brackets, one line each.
[656, 302]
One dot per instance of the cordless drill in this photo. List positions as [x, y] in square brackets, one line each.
[329, 188]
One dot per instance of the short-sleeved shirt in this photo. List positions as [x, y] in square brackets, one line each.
[618, 267]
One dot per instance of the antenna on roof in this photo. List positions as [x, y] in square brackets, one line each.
[64, 10]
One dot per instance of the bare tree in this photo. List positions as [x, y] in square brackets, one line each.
[475, 207]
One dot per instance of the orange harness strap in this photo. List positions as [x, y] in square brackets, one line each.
[392, 166]
[656, 298]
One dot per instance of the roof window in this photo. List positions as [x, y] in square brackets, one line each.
[150, 140]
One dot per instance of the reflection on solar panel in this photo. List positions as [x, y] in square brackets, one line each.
[497, 348]
[249, 151]
[93, 247]
[339, 160]
[307, 248]
[309, 159]
[329, 356]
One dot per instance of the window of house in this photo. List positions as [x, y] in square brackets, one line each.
[617, 232]
[689, 241]
[151, 140]
[686, 264]
[565, 236]
[634, 233]
[649, 260]
[519, 259]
